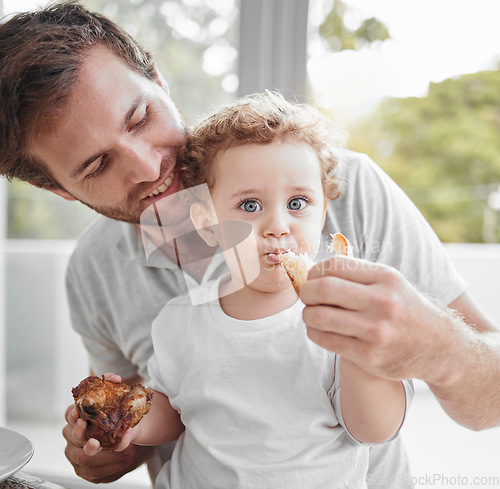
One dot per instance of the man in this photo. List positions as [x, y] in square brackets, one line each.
[85, 115]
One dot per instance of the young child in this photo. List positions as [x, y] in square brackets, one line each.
[253, 402]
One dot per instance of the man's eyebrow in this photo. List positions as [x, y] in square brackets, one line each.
[126, 120]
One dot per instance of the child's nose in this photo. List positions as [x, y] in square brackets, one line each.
[276, 225]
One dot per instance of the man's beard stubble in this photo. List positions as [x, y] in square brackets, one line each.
[132, 209]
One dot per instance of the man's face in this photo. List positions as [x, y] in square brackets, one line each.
[115, 149]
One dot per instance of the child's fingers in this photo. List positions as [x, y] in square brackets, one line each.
[112, 377]
[125, 441]
[92, 447]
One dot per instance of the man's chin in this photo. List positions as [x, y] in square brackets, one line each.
[118, 214]
[169, 211]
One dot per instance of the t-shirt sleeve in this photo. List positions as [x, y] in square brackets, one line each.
[384, 226]
[164, 366]
[103, 353]
[335, 397]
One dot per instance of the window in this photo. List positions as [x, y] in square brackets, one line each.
[178, 33]
[423, 103]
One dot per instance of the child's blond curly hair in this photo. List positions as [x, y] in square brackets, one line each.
[262, 118]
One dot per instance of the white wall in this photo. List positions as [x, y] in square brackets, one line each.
[3, 212]
[480, 265]
[43, 350]
[43, 346]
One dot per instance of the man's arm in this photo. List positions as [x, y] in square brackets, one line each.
[370, 314]
[106, 466]
[472, 396]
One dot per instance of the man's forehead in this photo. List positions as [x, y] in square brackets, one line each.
[103, 72]
[105, 91]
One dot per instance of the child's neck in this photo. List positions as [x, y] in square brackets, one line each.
[248, 304]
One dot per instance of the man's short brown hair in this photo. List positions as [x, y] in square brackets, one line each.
[40, 53]
[262, 118]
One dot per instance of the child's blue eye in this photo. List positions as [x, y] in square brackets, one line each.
[250, 206]
[297, 203]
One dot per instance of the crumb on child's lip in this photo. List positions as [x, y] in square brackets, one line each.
[274, 256]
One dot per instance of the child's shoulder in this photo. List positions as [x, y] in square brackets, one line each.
[197, 297]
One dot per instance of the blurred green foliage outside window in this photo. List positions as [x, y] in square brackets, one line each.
[444, 151]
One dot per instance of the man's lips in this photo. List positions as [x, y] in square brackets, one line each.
[168, 183]
[163, 187]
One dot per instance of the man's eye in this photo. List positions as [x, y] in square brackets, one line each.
[142, 122]
[250, 206]
[100, 168]
[297, 203]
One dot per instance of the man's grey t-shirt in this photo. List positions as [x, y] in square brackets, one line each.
[115, 293]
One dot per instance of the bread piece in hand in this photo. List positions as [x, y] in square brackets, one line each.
[296, 267]
[110, 408]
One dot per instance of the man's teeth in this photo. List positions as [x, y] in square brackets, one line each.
[164, 186]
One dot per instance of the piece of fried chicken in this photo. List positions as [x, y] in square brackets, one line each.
[110, 408]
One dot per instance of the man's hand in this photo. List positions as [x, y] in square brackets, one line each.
[98, 466]
[370, 314]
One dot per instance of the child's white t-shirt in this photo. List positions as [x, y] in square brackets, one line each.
[257, 399]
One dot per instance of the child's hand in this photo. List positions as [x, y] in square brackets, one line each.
[93, 447]
[126, 439]
[115, 378]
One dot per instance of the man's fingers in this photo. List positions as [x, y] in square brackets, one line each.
[334, 291]
[330, 319]
[75, 434]
[92, 447]
[78, 433]
[348, 268]
[106, 466]
[71, 414]
[344, 346]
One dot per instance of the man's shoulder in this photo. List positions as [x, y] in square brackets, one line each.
[100, 232]
[98, 240]
[351, 162]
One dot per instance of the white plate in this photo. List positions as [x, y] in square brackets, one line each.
[15, 452]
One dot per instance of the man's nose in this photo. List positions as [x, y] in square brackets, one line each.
[276, 224]
[141, 161]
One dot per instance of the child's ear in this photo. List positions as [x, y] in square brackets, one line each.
[325, 209]
[203, 220]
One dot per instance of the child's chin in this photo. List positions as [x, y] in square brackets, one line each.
[274, 282]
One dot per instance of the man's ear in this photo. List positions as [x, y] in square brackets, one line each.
[161, 81]
[55, 190]
[203, 220]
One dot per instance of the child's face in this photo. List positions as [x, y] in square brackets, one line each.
[277, 189]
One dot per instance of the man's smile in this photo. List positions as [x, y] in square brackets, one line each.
[163, 187]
